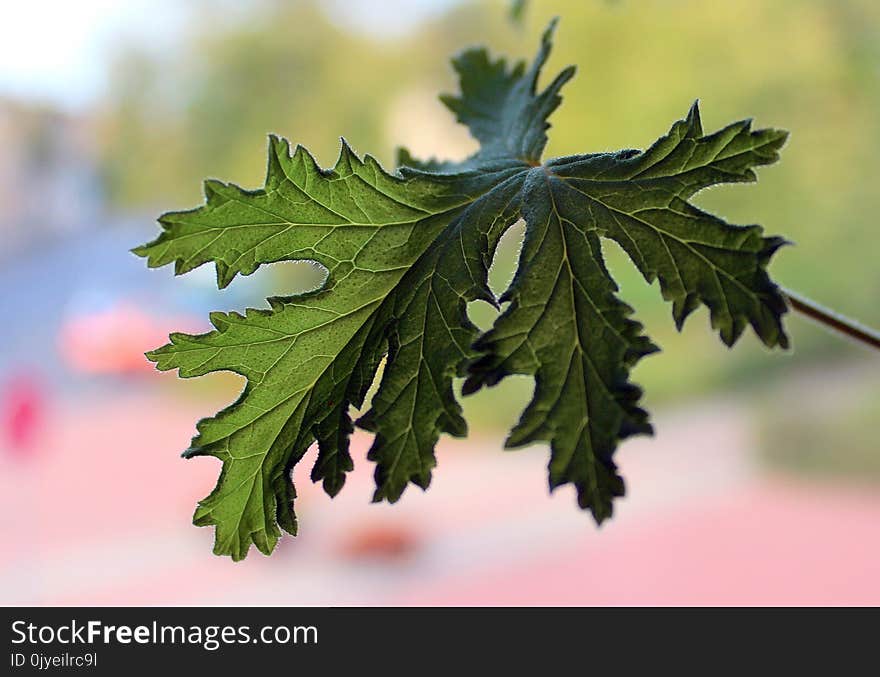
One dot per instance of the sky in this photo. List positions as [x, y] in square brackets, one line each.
[55, 51]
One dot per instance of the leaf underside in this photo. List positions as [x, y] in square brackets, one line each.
[405, 252]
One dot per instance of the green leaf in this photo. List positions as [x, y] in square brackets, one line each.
[517, 10]
[404, 254]
[566, 327]
[640, 200]
[499, 105]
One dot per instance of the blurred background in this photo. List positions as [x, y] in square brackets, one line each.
[762, 484]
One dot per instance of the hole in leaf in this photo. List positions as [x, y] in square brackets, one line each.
[284, 278]
[506, 256]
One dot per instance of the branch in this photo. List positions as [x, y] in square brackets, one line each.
[829, 318]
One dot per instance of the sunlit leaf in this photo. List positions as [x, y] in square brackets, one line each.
[405, 252]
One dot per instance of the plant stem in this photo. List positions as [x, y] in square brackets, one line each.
[829, 318]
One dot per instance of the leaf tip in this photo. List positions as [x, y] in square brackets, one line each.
[694, 120]
[210, 187]
[547, 36]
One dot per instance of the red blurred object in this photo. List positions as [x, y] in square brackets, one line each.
[114, 341]
[380, 541]
[22, 408]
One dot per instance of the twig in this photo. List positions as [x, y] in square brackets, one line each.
[835, 321]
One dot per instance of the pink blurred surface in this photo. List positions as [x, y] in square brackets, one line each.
[772, 543]
[100, 513]
[114, 340]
